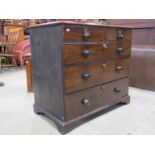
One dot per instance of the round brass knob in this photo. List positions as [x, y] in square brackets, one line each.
[86, 102]
[68, 30]
[104, 66]
[104, 45]
[103, 88]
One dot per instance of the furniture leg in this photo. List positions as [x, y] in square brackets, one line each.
[14, 62]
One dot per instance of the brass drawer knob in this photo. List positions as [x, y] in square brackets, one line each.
[86, 35]
[103, 88]
[104, 45]
[86, 76]
[86, 102]
[120, 35]
[86, 53]
[68, 30]
[104, 66]
[117, 90]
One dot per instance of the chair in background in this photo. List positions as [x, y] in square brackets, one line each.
[23, 49]
[10, 45]
[8, 27]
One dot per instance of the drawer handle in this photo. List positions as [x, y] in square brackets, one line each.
[120, 34]
[119, 50]
[86, 53]
[119, 68]
[86, 102]
[104, 66]
[104, 45]
[117, 90]
[68, 30]
[86, 35]
[85, 76]
[103, 88]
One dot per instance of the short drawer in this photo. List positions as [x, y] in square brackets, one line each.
[118, 34]
[81, 103]
[83, 33]
[90, 52]
[82, 76]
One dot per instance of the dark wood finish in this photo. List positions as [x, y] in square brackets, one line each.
[104, 51]
[132, 22]
[142, 58]
[118, 34]
[143, 29]
[78, 33]
[62, 76]
[99, 73]
[28, 61]
[65, 127]
[95, 98]
[142, 73]
[47, 69]
[143, 36]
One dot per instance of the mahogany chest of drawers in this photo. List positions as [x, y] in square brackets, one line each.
[79, 70]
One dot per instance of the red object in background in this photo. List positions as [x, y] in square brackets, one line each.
[22, 49]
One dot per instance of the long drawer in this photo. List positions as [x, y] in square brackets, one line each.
[83, 102]
[90, 52]
[82, 76]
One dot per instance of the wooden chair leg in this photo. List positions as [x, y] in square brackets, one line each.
[7, 61]
[14, 61]
[2, 59]
[22, 64]
[0, 63]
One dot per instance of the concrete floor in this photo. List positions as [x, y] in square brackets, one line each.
[17, 116]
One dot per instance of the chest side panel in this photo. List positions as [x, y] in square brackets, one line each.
[46, 46]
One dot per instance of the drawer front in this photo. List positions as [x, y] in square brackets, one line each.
[83, 102]
[118, 34]
[90, 52]
[82, 76]
[82, 33]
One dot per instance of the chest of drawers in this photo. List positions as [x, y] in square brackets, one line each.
[79, 70]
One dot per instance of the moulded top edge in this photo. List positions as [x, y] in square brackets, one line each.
[77, 23]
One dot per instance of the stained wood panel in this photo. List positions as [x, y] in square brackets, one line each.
[97, 97]
[99, 73]
[104, 51]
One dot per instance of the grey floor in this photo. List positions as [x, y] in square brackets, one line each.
[17, 116]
